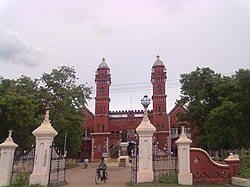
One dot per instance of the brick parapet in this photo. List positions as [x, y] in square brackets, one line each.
[207, 171]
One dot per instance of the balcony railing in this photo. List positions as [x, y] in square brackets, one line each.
[86, 138]
[175, 132]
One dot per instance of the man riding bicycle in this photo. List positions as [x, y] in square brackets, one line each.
[102, 167]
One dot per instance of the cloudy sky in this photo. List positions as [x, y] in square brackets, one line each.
[37, 36]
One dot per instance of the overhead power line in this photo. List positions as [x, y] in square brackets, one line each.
[147, 86]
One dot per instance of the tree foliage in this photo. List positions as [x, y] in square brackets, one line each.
[22, 107]
[217, 107]
[19, 109]
[67, 101]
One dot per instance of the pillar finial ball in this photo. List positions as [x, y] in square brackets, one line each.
[145, 101]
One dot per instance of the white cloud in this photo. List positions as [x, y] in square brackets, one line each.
[15, 50]
[129, 34]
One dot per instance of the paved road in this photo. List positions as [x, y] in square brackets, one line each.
[79, 177]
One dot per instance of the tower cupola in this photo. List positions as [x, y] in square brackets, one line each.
[103, 64]
[158, 62]
[102, 75]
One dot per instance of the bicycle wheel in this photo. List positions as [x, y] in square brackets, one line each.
[97, 179]
[85, 165]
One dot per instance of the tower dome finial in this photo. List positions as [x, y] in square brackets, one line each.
[103, 64]
[158, 62]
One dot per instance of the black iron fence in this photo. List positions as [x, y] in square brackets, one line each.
[163, 163]
[57, 166]
[23, 163]
[134, 164]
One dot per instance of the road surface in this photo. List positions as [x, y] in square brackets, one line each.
[80, 177]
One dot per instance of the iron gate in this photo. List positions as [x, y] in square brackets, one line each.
[57, 166]
[163, 163]
[23, 163]
[134, 164]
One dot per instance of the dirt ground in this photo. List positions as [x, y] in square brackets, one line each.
[80, 177]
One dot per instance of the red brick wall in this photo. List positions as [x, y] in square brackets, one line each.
[99, 145]
[206, 171]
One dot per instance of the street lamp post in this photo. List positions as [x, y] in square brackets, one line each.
[145, 101]
[145, 131]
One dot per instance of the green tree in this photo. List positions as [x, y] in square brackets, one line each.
[221, 127]
[19, 110]
[217, 106]
[198, 97]
[231, 116]
[241, 98]
[68, 100]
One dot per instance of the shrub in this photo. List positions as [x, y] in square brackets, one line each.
[169, 179]
[70, 163]
[245, 172]
[245, 167]
[22, 180]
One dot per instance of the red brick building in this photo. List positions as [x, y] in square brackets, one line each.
[103, 129]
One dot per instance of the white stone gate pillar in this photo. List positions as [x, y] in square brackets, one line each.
[185, 177]
[44, 134]
[6, 160]
[145, 131]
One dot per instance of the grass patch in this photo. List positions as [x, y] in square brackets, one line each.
[169, 179]
[22, 180]
[157, 184]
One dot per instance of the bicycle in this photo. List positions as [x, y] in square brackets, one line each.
[99, 176]
[85, 163]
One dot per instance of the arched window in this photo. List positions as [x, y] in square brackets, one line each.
[99, 148]
[102, 91]
[159, 89]
[101, 128]
[159, 108]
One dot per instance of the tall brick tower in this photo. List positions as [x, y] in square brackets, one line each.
[103, 81]
[101, 119]
[160, 120]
